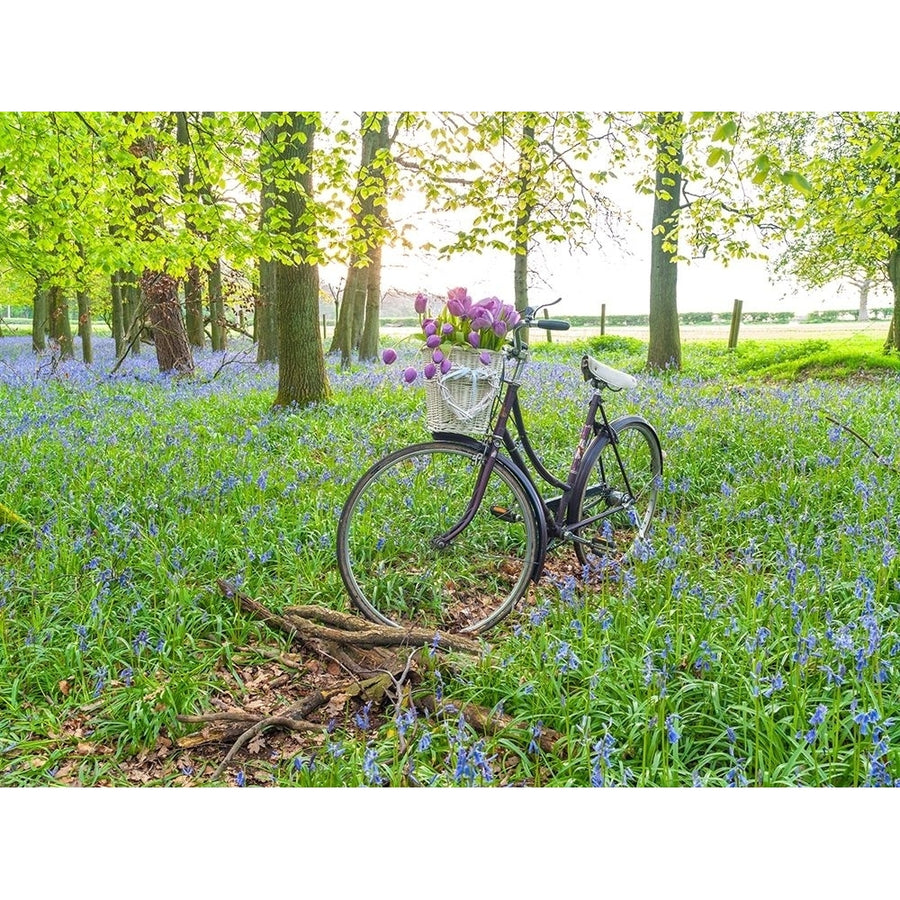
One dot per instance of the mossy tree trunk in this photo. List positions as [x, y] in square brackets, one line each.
[664, 350]
[301, 364]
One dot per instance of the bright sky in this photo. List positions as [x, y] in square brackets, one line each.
[616, 276]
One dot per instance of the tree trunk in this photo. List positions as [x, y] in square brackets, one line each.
[85, 327]
[159, 290]
[368, 343]
[894, 275]
[301, 364]
[60, 327]
[193, 307]
[353, 301]
[173, 352]
[357, 308]
[39, 320]
[864, 287]
[118, 319]
[374, 209]
[134, 313]
[525, 207]
[664, 351]
[216, 307]
[193, 290]
[265, 318]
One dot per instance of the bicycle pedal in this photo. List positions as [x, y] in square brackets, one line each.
[502, 513]
[602, 546]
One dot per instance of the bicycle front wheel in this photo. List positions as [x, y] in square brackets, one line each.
[616, 490]
[393, 571]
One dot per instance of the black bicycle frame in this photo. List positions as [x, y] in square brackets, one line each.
[554, 519]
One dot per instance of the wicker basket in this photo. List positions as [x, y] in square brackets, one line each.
[460, 401]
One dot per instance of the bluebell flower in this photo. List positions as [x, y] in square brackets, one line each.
[361, 717]
[371, 769]
[671, 733]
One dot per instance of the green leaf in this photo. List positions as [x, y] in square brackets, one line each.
[726, 131]
[798, 182]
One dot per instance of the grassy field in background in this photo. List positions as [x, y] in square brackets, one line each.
[753, 643]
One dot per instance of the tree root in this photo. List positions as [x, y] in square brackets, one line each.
[306, 623]
[378, 663]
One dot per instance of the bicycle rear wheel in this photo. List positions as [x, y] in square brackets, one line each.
[386, 555]
[612, 504]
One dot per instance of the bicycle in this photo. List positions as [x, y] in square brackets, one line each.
[451, 532]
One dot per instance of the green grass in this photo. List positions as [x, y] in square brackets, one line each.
[754, 641]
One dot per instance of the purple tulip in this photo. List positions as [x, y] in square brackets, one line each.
[491, 305]
[500, 328]
[434, 340]
[485, 357]
[437, 356]
[389, 356]
[409, 375]
[429, 327]
[474, 339]
[430, 370]
[511, 314]
[483, 319]
[446, 328]
[459, 303]
[420, 304]
[445, 366]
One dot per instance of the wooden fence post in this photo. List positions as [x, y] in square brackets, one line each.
[602, 319]
[549, 333]
[324, 331]
[735, 324]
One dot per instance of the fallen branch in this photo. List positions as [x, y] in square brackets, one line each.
[350, 632]
[360, 648]
[882, 459]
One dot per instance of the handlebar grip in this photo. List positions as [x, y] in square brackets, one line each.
[551, 324]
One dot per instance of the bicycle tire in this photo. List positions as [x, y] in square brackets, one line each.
[623, 516]
[393, 573]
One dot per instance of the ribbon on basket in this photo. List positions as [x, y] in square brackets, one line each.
[475, 406]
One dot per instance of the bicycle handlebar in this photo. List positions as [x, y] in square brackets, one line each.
[551, 324]
[530, 320]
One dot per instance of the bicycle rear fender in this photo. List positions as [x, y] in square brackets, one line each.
[533, 498]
